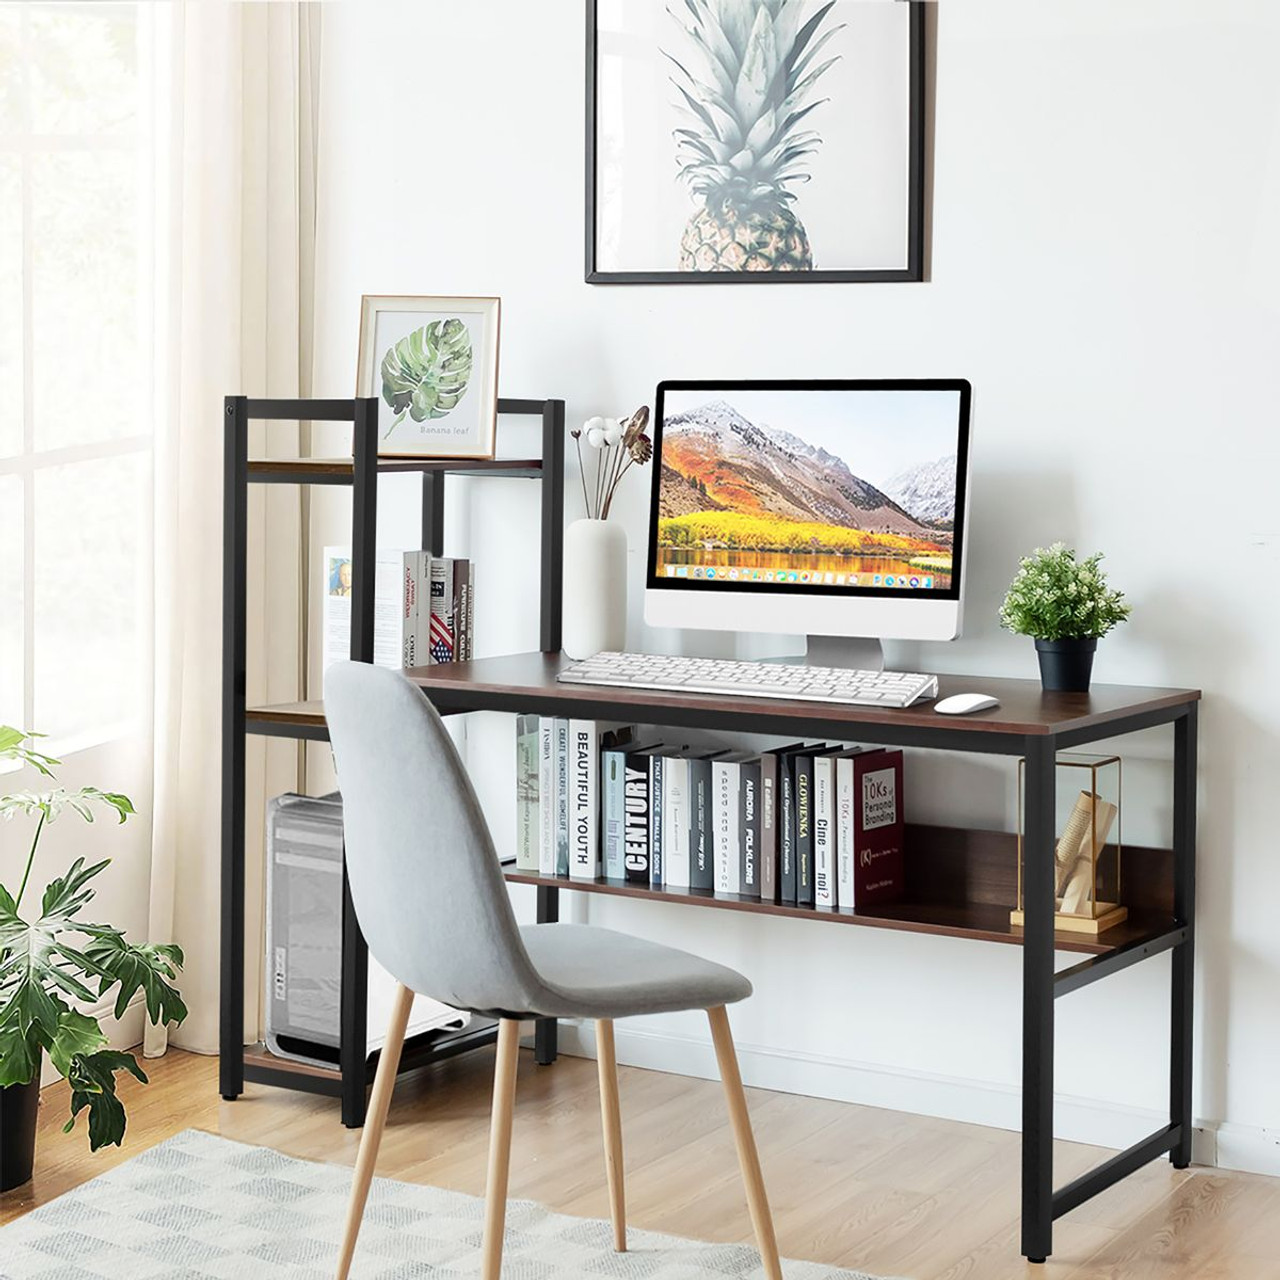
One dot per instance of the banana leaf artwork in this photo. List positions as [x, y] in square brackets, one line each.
[426, 373]
[755, 141]
[432, 363]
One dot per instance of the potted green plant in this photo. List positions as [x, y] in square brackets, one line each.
[1067, 606]
[49, 960]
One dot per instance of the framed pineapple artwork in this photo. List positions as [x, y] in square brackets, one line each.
[433, 364]
[754, 140]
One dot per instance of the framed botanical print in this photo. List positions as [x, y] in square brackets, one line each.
[433, 364]
[754, 140]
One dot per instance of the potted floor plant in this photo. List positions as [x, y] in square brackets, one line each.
[52, 962]
[1067, 606]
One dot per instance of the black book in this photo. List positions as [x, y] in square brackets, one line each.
[770, 820]
[788, 865]
[749, 827]
[636, 820]
[804, 816]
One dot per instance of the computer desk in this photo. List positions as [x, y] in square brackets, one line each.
[960, 883]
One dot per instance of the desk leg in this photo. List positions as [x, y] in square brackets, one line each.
[1037, 1002]
[1184, 911]
[546, 1030]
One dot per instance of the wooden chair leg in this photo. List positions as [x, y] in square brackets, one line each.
[748, 1158]
[375, 1121]
[611, 1115]
[504, 1099]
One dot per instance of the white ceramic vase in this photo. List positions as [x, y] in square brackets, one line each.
[595, 588]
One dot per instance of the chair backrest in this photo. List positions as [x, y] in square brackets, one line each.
[425, 878]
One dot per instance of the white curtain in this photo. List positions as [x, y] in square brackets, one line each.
[236, 97]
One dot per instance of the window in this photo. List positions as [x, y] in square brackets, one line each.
[75, 446]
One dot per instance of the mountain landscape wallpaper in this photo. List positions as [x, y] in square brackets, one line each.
[741, 492]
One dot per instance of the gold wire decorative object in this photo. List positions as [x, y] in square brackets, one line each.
[1087, 854]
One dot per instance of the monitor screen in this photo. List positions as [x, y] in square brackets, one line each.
[834, 487]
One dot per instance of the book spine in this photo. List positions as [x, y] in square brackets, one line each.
[527, 835]
[845, 838]
[635, 840]
[409, 610]
[584, 812]
[613, 766]
[804, 831]
[786, 831]
[657, 767]
[701, 856]
[824, 880]
[769, 827]
[724, 786]
[546, 795]
[675, 822]
[442, 632]
[471, 609]
[879, 867]
[749, 828]
[459, 609]
[562, 796]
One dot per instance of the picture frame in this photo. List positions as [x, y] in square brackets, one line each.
[662, 204]
[432, 362]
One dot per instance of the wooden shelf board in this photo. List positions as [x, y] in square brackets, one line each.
[981, 921]
[419, 1050]
[344, 467]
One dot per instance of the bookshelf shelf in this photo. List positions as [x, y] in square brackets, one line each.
[961, 883]
[342, 470]
[348, 1079]
[977, 921]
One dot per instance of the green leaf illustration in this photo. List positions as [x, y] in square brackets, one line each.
[425, 373]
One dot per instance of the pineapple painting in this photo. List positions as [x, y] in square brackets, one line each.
[745, 78]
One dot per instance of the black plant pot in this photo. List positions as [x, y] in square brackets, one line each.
[18, 1103]
[1066, 665]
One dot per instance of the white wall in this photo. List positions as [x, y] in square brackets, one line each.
[1106, 271]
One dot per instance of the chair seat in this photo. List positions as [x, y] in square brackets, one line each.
[597, 973]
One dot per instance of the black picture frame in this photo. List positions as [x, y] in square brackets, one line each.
[913, 272]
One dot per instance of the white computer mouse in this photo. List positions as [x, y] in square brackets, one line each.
[961, 704]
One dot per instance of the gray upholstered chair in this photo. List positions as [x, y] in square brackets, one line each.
[432, 902]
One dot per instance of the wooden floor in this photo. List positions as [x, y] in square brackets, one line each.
[894, 1194]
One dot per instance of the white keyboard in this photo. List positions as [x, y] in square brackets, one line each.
[752, 679]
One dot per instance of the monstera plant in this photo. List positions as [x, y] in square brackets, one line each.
[425, 373]
[51, 960]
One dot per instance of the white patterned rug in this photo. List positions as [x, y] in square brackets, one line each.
[199, 1207]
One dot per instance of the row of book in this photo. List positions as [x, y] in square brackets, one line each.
[802, 824]
[423, 607]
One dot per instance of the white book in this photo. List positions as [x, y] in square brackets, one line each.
[546, 795]
[527, 807]
[846, 800]
[395, 606]
[675, 822]
[562, 795]
[824, 871]
[725, 825]
[584, 800]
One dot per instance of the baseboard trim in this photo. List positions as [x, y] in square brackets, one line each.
[996, 1105]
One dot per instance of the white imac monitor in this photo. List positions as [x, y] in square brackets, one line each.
[832, 509]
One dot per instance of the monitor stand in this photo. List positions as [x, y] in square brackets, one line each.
[858, 653]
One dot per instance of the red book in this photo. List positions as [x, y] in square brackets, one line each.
[875, 832]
